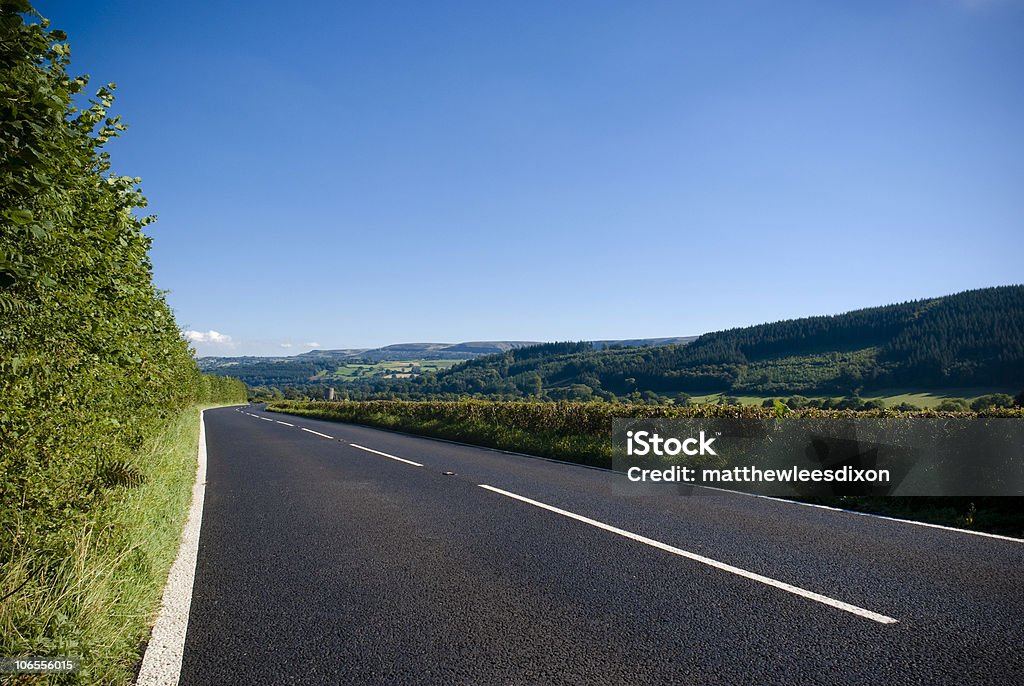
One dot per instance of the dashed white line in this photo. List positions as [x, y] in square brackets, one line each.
[377, 452]
[285, 423]
[796, 590]
[316, 432]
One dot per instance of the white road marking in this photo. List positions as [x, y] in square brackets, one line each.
[953, 529]
[285, 423]
[874, 516]
[162, 662]
[796, 590]
[377, 452]
[316, 432]
[266, 420]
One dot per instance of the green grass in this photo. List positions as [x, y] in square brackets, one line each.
[99, 603]
[891, 397]
[929, 399]
[356, 371]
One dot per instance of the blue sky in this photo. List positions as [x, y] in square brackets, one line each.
[356, 174]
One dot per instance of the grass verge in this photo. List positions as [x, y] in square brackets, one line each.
[581, 433]
[99, 603]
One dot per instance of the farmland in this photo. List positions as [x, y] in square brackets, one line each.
[365, 370]
[894, 397]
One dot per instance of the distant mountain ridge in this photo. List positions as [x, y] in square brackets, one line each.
[305, 367]
[969, 339]
[421, 351]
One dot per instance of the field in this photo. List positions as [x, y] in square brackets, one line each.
[891, 397]
[393, 369]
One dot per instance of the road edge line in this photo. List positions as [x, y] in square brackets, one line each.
[161, 665]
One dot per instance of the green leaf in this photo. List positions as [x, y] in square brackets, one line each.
[19, 216]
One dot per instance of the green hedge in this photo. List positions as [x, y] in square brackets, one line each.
[575, 431]
[91, 359]
[93, 366]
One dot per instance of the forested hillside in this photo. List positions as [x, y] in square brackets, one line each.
[315, 368]
[970, 339]
[93, 366]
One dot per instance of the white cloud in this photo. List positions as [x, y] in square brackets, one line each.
[210, 336]
[286, 345]
[312, 344]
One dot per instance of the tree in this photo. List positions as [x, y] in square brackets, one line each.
[579, 391]
[986, 402]
[851, 403]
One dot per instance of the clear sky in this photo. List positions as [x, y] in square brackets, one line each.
[353, 174]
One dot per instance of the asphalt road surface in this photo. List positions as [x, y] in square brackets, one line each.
[332, 553]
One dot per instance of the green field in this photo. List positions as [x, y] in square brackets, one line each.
[392, 369]
[891, 397]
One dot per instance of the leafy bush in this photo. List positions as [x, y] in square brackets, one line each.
[92, 363]
[574, 431]
[986, 402]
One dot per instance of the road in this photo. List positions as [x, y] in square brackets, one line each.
[332, 553]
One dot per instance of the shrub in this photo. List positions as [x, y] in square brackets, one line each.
[92, 363]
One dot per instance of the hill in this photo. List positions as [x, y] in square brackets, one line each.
[321, 366]
[971, 339]
[431, 351]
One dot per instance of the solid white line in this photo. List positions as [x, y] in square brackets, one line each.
[161, 665]
[796, 590]
[873, 516]
[316, 432]
[266, 420]
[285, 423]
[377, 452]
